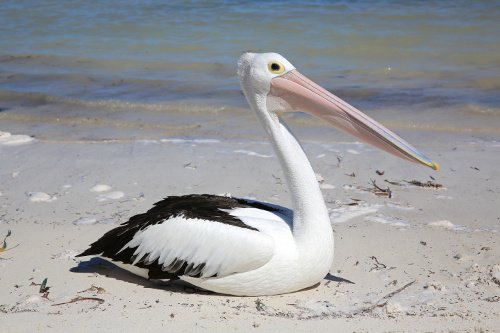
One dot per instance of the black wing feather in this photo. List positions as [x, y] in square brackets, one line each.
[193, 206]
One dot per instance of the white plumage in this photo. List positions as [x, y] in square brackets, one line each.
[223, 249]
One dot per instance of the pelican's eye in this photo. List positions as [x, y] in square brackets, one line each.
[275, 67]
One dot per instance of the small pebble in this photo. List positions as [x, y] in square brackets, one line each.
[470, 284]
[100, 188]
[40, 197]
[110, 196]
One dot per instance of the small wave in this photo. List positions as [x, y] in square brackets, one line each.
[475, 109]
[190, 141]
[29, 99]
[66, 64]
[251, 153]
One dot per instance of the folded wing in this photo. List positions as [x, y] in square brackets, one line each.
[172, 240]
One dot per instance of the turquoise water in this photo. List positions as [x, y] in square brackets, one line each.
[434, 53]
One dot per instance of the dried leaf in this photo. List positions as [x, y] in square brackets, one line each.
[43, 286]
[4, 245]
[259, 305]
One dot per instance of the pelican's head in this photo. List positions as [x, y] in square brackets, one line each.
[272, 85]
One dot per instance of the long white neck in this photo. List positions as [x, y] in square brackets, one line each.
[311, 223]
[310, 220]
[310, 212]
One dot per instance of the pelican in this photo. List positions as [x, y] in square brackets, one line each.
[244, 247]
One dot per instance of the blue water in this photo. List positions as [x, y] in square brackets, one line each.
[372, 52]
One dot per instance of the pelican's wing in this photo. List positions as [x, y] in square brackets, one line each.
[194, 235]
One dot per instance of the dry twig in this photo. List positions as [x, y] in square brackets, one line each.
[94, 288]
[79, 298]
[392, 182]
[383, 301]
[429, 183]
[378, 191]
[378, 264]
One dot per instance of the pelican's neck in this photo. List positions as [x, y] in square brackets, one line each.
[310, 215]
[307, 200]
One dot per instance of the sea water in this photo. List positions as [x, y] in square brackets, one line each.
[376, 54]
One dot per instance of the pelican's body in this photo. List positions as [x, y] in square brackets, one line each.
[241, 247]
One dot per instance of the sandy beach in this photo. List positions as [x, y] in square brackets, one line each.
[421, 257]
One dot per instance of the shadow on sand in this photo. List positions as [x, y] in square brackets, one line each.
[106, 268]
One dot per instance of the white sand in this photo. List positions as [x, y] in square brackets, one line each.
[413, 270]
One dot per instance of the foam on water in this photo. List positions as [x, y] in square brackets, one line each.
[346, 213]
[447, 225]
[390, 220]
[251, 153]
[8, 139]
[189, 141]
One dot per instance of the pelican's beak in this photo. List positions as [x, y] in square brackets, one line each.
[302, 94]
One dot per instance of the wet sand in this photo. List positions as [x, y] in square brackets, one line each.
[424, 259]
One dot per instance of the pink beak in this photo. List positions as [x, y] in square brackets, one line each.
[303, 94]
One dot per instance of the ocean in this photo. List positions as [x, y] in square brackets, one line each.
[413, 57]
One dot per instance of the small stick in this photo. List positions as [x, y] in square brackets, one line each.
[429, 183]
[381, 191]
[397, 291]
[385, 298]
[77, 299]
[393, 182]
[378, 262]
[378, 191]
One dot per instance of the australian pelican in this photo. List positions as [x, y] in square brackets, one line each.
[243, 247]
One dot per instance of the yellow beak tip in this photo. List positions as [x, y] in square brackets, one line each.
[435, 166]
